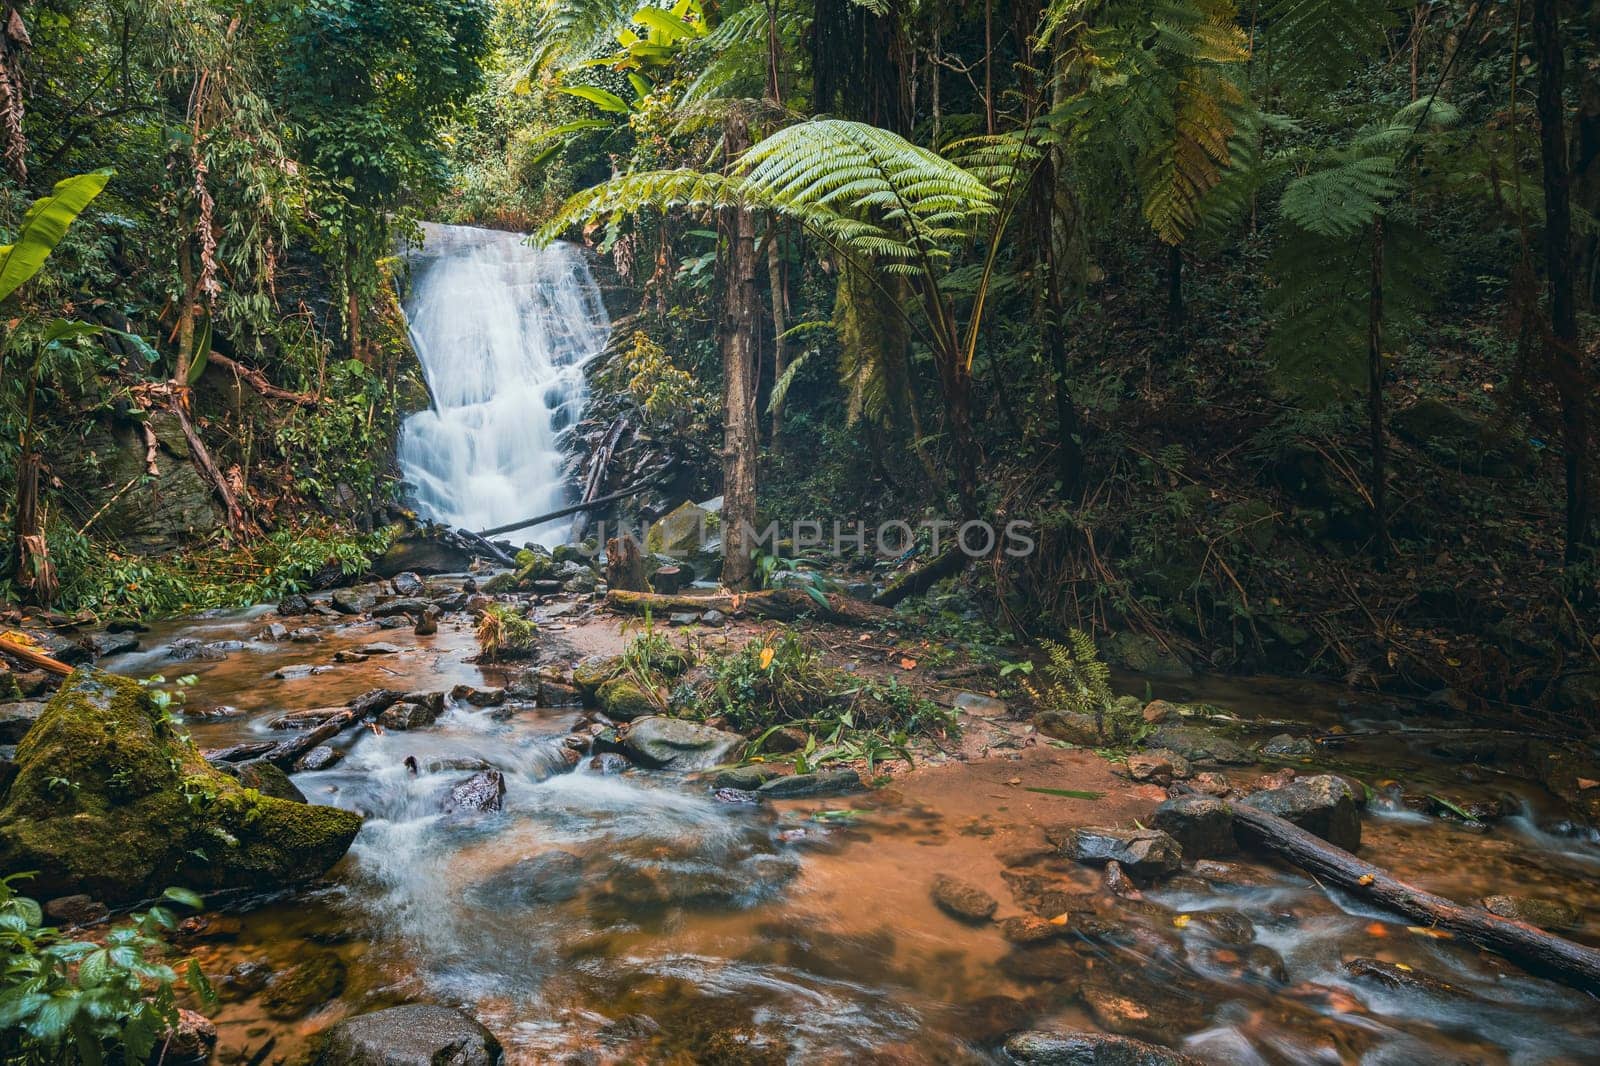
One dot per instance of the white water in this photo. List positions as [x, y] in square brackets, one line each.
[503, 331]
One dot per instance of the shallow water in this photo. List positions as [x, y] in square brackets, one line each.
[634, 919]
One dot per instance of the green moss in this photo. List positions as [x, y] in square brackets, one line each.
[595, 671]
[110, 800]
[623, 700]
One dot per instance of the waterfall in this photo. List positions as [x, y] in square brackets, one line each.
[503, 331]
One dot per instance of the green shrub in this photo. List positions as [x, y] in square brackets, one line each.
[504, 634]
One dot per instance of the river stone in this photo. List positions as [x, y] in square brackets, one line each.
[595, 671]
[1146, 656]
[556, 694]
[265, 778]
[321, 757]
[75, 911]
[125, 828]
[1404, 979]
[304, 986]
[294, 604]
[1322, 804]
[1288, 746]
[106, 643]
[1158, 765]
[1202, 826]
[673, 743]
[822, 783]
[478, 697]
[16, 719]
[1544, 913]
[1141, 852]
[961, 900]
[483, 791]
[405, 715]
[623, 700]
[1070, 726]
[1028, 929]
[417, 1035]
[417, 605]
[981, 706]
[548, 877]
[1074, 1048]
[746, 778]
[408, 583]
[1200, 744]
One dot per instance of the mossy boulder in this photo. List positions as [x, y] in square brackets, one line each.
[110, 800]
[623, 700]
[595, 671]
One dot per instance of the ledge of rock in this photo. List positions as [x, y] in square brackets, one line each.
[416, 1035]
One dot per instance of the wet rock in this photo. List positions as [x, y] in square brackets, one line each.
[713, 618]
[380, 648]
[594, 671]
[209, 927]
[1199, 744]
[1146, 656]
[298, 672]
[107, 643]
[273, 633]
[1212, 784]
[1071, 727]
[980, 706]
[1323, 804]
[822, 783]
[243, 981]
[304, 987]
[1277, 779]
[1157, 711]
[1202, 826]
[191, 1042]
[1158, 765]
[191, 649]
[610, 762]
[745, 778]
[16, 719]
[434, 701]
[403, 716]
[1544, 913]
[320, 757]
[265, 778]
[456, 764]
[1030, 929]
[676, 744]
[1060, 964]
[408, 583]
[1084, 1048]
[61, 647]
[294, 604]
[1402, 978]
[127, 829]
[623, 700]
[416, 1035]
[309, 718]
[556, 694]
[478, 697]
[405, 605]
[75, 910]
[736, 796]
[1287, 746]
[358, 600]
[483, 791]
[1224, 926]
[548, 877]
[344, 655]
[961, 900]
[1141, 852]
[305, 635]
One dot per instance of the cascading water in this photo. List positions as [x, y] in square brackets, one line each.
[503, 330]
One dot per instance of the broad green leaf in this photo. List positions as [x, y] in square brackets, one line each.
[62, 329]
[670, 28]
[605, 101]
[1066, 793]
[184, 896]
[202, 352]
[641, 88]
[43, 227]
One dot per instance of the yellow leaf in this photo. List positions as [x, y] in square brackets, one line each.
[1377, 929]
[1181, 921]
[1365, 879]
[1060, 919]
[908, 664]
[1402, 966]
[766, 657]
[1436, 934]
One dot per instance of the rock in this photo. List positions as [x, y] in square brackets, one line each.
[682, 618]
[713, 618]
[1030, 929]
[1467, 439]
[416, 1035]
[1071, 727]
[1157, 711]
[980, 706]
[304, 986]
[76, 911]
[822, 783]
[265, 778]
[1200, 744]
[357, 600]
[595, 671]
[273, 633]
[676, 744]
[1212, 784]
[105, 644]
[305, 635]
[548, 877]
[60, 647]
[624, 701]
[555, 694]
[1074, 1048]
[8, 768]
[1322, 804]
[1544, 913]
[1060, 964]
[679, 533]
[961, 900]
[344, 655]
[1229, 927]
[1202, 826]
[16, 719]
[610, 762]
[1287, 746]
[1146, 656]
[746, 778]
[243, 981]
[408, 605]
[380, 648]
[403, 716]
[670, 580]
[1158, 765]
[483, 791]
[320, 757]
[1141, 852]
[191, 1042]
[141, 809]
[298, 671]
[408, 583]
[1402, 978]
[739, 796]
[294, 604]
[478, 697]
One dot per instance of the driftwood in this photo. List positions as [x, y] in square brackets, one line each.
[624, 566]
[34, 658]
[586, 505]
[1537, 950]
[948, 564]
[782, 605]
[476, 543]
[285, 753]
[258, 381]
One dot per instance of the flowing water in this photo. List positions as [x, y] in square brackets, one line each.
[503, 330]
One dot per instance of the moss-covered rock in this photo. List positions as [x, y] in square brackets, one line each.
[623, 700]
[110, 800]
[595, 671]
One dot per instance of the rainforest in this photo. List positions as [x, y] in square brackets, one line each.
[1032, 532]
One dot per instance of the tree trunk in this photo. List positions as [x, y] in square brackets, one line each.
[1174, 294]
[1565, 357]
[739, 326]
[186, 281]
[956, 386]
[624, 567]
[14, 44]
[1380, 508]
[780, 317]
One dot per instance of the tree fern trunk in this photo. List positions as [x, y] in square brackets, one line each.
[739, 325]
[1380, 507]
[780, 306]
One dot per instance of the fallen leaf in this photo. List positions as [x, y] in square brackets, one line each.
[1365, 879]
[1181, 921]
[1435, 934]
[1061, 919]
[908, 664]
[1586, 783]
[1377, 929]
[766, 657]
[1402, 966]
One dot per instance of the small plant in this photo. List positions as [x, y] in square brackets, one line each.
[79, 1002]
[503, 634]
[770, 681]
[651, 656]
[1078, 682]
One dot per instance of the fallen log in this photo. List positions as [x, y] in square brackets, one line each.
[286, 753]
[1538, 951]
[258, 381]
[782, 605]
[34, 658]
[586, 505]
[948, 564]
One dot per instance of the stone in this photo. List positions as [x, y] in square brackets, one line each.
[746, 778]
[304, 986]
[344, 655]
[1072, 727]
[679, 533]
[107, 643]
[16, 719]
[407, 605]
[548, 877]
[610, 762]
[961, 900]
[1141, 852]
[675, 744]
[1145, 656]
[478, 697]
[320, 757]
[1060, 964]
[1212, 784]
[623, 700]
[1202, 826]
[822, 783]
[125, 825]
[1544, 913]
[1030, 929]
[980, 706]
[1402, 978]
[713, 618]
[265, 778]
[357, 600]
[1322, 804]
[191, 1042]
[1468, 439]
[1288, 746]
[298, 671]
[415, 1035]
[1086, 1048]
[75, 911]
[1158, 765]
[273, 633]
[380, 648]
[408, 583]
[483, 791]
[404, 716]
[682, 618]
[1157, 711]
[305, 635]
[555, 694]
[1200, 745]
[594, 671]
[294, 604]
